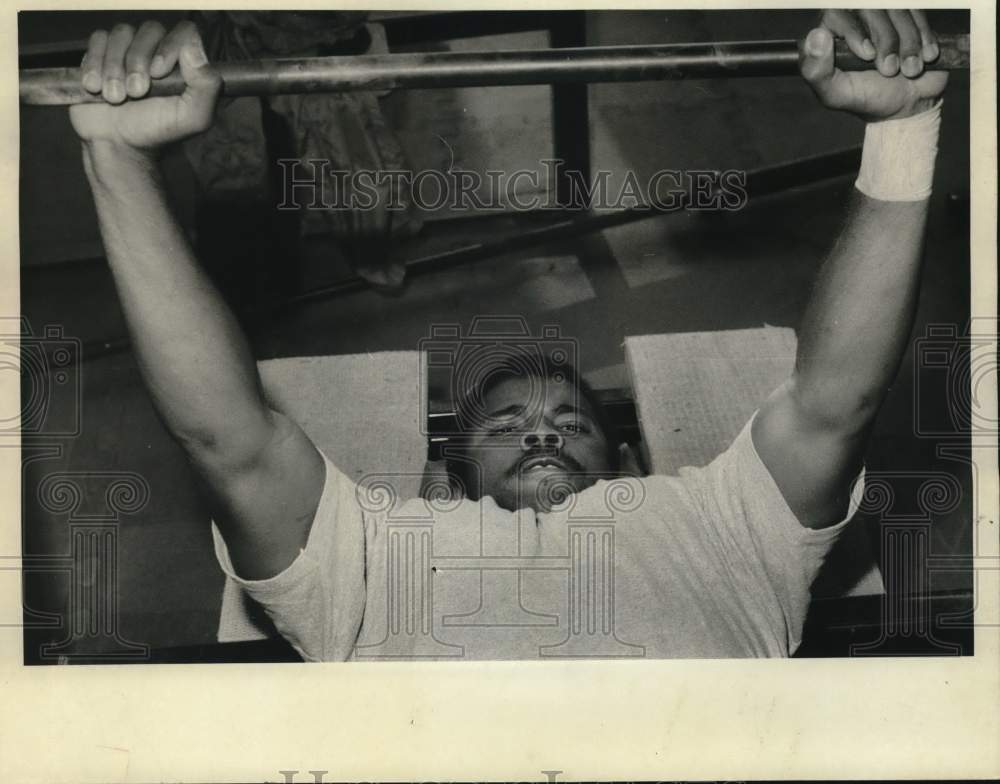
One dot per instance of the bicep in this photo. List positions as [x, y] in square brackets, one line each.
[812, 462]
[265, 501]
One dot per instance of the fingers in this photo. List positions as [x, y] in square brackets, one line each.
[910, 61]
[886, 41]
[928, 38]
[899, 41]
[169, 50]
[138, 58]
[120, 65]
[92, 67]
[119, 40]
[846, 25]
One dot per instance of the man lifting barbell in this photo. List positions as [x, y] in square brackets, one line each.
[716, 562]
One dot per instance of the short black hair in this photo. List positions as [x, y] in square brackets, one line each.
[471, 416]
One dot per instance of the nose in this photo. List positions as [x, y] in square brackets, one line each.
[548, 441]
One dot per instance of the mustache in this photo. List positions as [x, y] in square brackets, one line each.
[567, 460]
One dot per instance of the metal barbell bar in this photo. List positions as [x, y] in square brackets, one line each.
[61, 86]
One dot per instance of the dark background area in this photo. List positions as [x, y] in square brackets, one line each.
[674, 273]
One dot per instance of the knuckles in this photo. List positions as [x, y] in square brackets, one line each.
[836, 17]
[123, 30]
[186, 27]
[894, 33]
[888, 41]
[154, 28]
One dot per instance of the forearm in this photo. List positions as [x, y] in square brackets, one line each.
[811, 433]
[190, 350]
[856, 326]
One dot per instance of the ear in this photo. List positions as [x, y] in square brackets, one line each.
[628, 461]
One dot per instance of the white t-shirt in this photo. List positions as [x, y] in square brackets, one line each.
[710, 563]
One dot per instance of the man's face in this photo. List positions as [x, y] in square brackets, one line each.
[542, 439]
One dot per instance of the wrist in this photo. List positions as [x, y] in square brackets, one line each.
[919, 106]
[106, 162]
[897, 160]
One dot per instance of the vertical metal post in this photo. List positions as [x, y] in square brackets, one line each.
[570, 114]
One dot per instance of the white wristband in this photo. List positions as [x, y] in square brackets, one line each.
[897, 161]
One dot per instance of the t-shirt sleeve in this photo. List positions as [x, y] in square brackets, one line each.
[768, 555]
[317, 603]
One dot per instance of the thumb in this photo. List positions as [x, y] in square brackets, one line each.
[202, 90]
[817, 64]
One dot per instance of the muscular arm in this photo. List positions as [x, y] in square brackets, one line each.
[812, 432]
[264, 475]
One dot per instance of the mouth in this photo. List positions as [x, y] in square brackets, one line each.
[541, 464]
